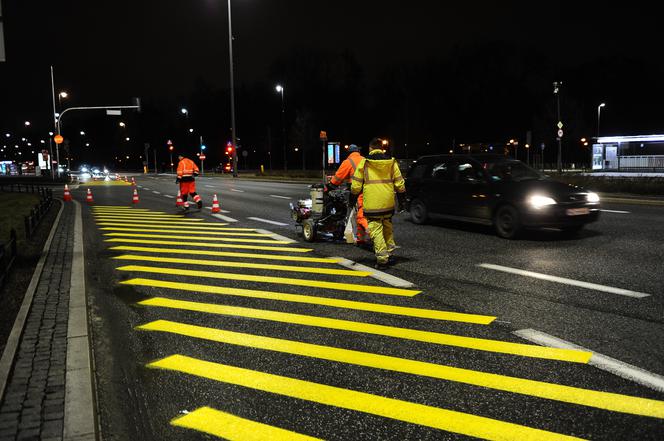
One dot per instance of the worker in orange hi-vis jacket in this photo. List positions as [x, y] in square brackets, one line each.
[187, 172]
[344, 175]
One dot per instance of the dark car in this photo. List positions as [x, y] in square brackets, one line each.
[498, 191]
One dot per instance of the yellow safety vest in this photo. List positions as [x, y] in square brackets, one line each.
[378, 179]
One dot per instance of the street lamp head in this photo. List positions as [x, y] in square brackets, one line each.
[49, 134]
[127, 138]
[63, 94]
[82, 133]
[184, 111]
[122, 124]
[191, 130]
[27, 123]
[601, 105]
[279, 88]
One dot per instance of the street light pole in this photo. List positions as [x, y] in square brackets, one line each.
[556, 92]
[599, 113]
[55, 124]
[280, 89]
[232, 85]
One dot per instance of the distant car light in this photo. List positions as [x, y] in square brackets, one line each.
[593, 197]
[539, 201]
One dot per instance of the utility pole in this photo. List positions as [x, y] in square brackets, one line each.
[55, 124]
[556, 91]
[230, 59]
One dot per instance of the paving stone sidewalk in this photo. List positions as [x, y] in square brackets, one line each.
[33, 404]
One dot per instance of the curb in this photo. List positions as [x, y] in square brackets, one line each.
[7, 359]
[80, 408]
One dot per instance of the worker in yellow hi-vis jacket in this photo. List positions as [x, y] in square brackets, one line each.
[378, 177]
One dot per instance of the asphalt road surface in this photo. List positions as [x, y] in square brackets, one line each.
[232, 326]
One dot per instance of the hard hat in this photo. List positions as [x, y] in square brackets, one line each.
[353, 148]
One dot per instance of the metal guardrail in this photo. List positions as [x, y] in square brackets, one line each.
[641, 163]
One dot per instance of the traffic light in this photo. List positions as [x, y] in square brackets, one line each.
[229, 148]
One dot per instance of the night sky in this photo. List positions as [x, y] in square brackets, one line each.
[105, 52]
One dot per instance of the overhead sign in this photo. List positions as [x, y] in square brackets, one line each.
[113, 112]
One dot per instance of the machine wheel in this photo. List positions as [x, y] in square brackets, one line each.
[309, 230]
[507, 222]
[418, 212]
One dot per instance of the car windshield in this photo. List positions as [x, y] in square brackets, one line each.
[512, 171]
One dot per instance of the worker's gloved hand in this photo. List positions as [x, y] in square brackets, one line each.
[352, 201]
[401, 202]
[195, 174]
[177, 180]
[330, 186]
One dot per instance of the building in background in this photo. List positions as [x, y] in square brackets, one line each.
[629, 153]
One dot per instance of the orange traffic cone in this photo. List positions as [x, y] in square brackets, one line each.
[126, 180]
[133, 181]
[215, 205]
[88, 198]
[134, 200]
[67, 196]
[178, 201]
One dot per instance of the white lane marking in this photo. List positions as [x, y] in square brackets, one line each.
[169, 196]
[267, 221]
[275, 236]
[223, 218]
[376, 274]
[155, 192]
[280, 197]
[239, 191]
[596, 287]
[615, 211]
[145, 188]
[603, 362]
[140, 186]
[210, 186]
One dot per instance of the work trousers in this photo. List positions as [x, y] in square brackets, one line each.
[382, 236]
[362, 224]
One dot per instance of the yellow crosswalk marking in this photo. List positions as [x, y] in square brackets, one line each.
[119, 207]
[155, 230]
[266, 256]
[424, 415]
[568, 394]
[480, 344]
[233, 428]
[141, 215]
[211, 245]
[369, 289]
[181, 237]
[229, 264]
[186, 227]
[158, 219]
[380, 308]
[125, 210]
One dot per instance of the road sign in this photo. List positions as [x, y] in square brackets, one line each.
[323, 135]
[560, 133]
[169, 142]
[113, 112]
[202, 157]
[560, 125]
[58, 139]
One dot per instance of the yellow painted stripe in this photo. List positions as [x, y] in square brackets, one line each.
[210, 245]
[191, 227]
[125, 210]
[229, 264]
[214, 233]
[266, 256]
[574, 395]
[119, 207]
[480, 344]
[320, 301]
[414, 413]
[181, 237]
[141, 215]
[370, 289]
[233, 428]
[134, 217]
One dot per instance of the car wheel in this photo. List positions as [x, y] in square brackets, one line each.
[418, 212]
[507, 222]
[309, 230]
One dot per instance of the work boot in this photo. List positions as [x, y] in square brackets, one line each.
[199, 204]
[393, 248]
[381, 265]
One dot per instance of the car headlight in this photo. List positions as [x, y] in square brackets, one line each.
[538, 201]
[592, 197]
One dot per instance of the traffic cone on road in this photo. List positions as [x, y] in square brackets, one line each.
[215, 205]
[88, 197]
[134, 200]
[178, 201]
[126, 180]
[67, 196]
[133, 181]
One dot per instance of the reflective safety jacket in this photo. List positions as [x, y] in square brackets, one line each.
[378, 179]
[347, 169]
[187, 169]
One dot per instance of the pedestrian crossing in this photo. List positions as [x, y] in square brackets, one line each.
[200, 293]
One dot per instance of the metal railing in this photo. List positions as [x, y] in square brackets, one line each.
[642, 163]
[7, 256]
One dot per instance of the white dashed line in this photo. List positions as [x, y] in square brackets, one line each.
[563, 280]
[239, 191]
[275, 236]
[169, 196]
[210, 186]
[220, 210]
[376, 274]
[145, 188]
[603, 362]
[155, 192]
[267, 221]
[616, 211]
[280, 197]
[223, 218]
